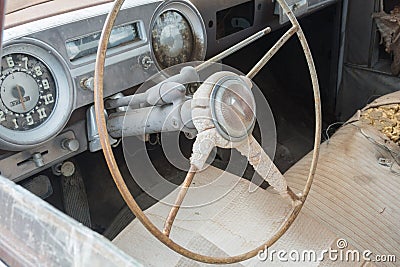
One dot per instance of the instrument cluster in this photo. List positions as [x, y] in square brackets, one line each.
[47, 67]
[41, 76]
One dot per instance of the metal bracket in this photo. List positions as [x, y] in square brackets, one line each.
[93, 133]
[298, 7]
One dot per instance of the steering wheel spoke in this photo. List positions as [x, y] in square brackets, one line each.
[274, 49]
[179, 200]
[266, 168]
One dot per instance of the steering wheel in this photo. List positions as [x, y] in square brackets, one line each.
[210, 133]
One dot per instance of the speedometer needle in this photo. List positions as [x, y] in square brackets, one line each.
[21, 98]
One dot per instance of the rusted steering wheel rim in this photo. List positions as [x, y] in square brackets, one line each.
[120, 183]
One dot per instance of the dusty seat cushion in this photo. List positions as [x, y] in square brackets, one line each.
[237, 222]
[353, 194]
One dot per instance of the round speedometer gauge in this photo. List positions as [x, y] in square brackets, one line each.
[36, 95]
[177, 34]
[27, 92]
[172, 39]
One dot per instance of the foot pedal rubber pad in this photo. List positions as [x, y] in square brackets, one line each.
[75, 198]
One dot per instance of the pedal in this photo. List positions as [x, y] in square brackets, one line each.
[39, 185]
[75, 199]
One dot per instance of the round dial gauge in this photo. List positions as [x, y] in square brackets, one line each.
[36, 95]
[172, 39]
[27, 92]
[177, 34]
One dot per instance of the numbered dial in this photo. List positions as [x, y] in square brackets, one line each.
[27, 92]
[172, 39]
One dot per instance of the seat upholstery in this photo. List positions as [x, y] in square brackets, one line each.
[237, 222]
[353, 194]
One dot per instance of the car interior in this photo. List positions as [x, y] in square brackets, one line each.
[195, 132]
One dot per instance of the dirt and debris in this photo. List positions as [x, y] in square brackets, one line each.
[386, 119]
[389, 27]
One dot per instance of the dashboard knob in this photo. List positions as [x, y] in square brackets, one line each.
[37, 158]
[70, 144]
[87, 83]
[146, 62]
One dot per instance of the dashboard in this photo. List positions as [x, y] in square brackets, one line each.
[47, 66]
